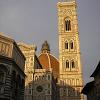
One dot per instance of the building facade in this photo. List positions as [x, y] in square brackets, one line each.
[40, 83]
[31, 64]
[70, 69]
[44, 85]
[12, 77]
[92, 89]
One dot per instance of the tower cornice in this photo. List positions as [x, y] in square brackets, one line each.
[62, 4]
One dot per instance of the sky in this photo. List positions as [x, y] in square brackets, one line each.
[34, 21]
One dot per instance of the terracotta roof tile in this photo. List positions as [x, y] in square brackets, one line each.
[49, 61]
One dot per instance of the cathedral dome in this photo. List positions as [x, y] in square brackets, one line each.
[47, 60]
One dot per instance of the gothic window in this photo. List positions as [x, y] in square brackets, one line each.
[71, 45]
[66, 45]
[72, 64]
[68, 25]
[67, 64]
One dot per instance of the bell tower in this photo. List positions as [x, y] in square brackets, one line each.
[70, 81]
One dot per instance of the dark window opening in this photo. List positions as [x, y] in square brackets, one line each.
[73, 64]
[67, 64]
[66, 45]
[71, 45]
[68, 25]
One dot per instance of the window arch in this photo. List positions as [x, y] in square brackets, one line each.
[68, 24]
[71, 45]
[67, 64]
[66, 45]
[72, 64]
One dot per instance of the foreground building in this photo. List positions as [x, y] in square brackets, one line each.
[12, 75]
[92, 89]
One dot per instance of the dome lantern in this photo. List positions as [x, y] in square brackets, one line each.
[45, 47]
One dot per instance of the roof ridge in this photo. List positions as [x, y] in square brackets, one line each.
[49, 60]
[54, 57]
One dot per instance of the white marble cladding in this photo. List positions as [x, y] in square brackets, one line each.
[9, 48]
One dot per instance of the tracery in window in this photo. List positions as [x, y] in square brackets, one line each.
[68, 24]
[71, 45]
[66, 45]
[67, 64]
[72, 64]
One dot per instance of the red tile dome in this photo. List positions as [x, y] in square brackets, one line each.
[49, 61]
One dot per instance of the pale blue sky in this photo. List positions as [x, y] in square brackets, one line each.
[34, 21]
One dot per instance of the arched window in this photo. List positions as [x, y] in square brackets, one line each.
[72, 64]
[67, 64]
[68, 25]
[71, 45]
[66, 45]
